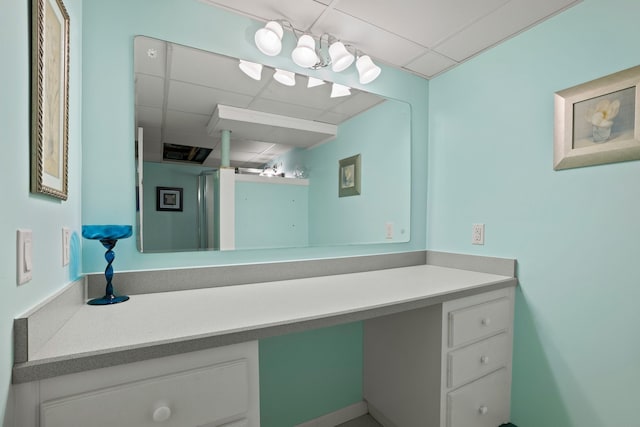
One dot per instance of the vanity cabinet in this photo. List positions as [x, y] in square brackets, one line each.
[210, 388]
[447, 365]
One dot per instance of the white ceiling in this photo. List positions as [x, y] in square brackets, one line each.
[424, 37]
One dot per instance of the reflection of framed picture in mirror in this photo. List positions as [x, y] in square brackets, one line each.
[50, 98]
[349, 176]
[598, 121]
[169, 199]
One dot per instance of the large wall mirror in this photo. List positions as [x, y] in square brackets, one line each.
[225, 161]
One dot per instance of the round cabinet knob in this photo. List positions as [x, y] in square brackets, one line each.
[483, 410]
[484, 360]
[486, 321]
[161, 414]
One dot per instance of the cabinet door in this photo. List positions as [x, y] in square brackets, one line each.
[189, 399]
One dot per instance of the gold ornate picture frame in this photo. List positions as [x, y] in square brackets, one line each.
[598, 122]
[50, 98]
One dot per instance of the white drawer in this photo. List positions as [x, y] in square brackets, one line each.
[192, 398]
[483, 403]
[476, 360]
[478, 321]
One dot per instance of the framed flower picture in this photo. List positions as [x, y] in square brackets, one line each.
[598, 122]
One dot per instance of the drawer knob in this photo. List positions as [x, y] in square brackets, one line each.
[484, 360]
[483, 410]
[486, 321]
[161, 414]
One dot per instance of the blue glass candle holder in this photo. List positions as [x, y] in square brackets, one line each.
[108, 236]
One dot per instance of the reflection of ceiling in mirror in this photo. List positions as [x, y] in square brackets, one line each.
[178, 89]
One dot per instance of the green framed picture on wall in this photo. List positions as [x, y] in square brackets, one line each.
[349, 176]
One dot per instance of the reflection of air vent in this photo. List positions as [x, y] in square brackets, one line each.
[185, 153]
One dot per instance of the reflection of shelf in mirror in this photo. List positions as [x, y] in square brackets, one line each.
[271, 179]
[267, 127]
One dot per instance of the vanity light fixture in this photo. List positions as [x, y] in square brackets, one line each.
[306, 54]
[251, 69]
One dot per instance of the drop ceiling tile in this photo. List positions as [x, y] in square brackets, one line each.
[149, 90]
[503, 23]
[301, 13]
[430, 64]
[195, 124]
[424, 21]
[368, 38]
[148, 117]
[316, 97]
[202, 100]
[212, 70]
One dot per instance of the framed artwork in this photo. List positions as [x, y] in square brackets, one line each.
[50, 98]
[169, 199]
[349, 176]
[598, 122]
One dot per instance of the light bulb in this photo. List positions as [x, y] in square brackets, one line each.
[304, 54]
[269, 38]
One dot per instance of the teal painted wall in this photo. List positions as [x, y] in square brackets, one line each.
[574, 232]
[381, 136]
[167, 229]
[271, 215]
[45, 216]
[109, 174]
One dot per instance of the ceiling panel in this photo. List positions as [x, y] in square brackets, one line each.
[150, 56]
[192, 98]
[149, 90]
[503, 23]
[430, 64]
[301, 13]
[423, 21]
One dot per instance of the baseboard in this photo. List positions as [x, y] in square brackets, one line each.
[379, 417]
[338, 417]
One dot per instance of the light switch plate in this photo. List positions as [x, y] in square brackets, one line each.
[24, 258]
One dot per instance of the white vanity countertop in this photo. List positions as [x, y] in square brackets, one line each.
[153, 325]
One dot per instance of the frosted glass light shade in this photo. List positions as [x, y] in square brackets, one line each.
[338, 90]
[313, 82]
[251, 69]
[287, 78]
[304, 54]
[269, 38]
[341, 58]
[367, 70]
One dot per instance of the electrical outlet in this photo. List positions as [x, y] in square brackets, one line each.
[477, 234]
[388, 227]
[66, 239]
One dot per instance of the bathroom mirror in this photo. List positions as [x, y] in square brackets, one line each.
[280, 184]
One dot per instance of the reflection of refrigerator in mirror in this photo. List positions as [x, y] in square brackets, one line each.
[139, 192]
[206, 210]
